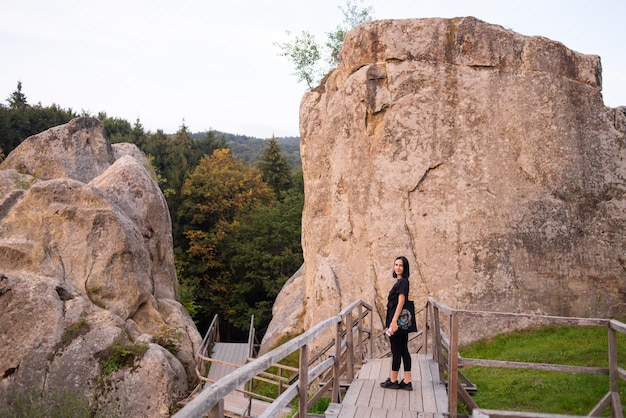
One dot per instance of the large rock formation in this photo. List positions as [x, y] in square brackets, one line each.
[486, 157]
[87, 264]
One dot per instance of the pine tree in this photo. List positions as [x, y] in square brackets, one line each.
[275, 169]
[17, 99]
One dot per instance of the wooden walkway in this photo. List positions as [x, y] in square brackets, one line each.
[233, 353]
[366, 399]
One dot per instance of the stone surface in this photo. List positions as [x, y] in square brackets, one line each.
[86, 261]
[486, 157]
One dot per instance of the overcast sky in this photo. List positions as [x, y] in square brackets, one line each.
[213, 63]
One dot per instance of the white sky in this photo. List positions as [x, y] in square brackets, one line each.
[213, 63]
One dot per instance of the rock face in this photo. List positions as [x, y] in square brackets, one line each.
[486, 157]
[87, 263]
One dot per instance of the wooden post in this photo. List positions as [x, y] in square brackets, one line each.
[371, 338]
[360, 333]
[426, 326]
[217, 411]
[453, 364]
[337, 365]
[616, 407]
[350, 346]
[436, 336]
[304, 383]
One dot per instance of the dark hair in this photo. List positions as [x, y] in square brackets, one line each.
[405, 264]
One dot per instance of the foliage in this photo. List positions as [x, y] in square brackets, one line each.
[543, 391]
[80, 327]
[23, 181]
[187, 292]
[219, 190]
[307, 55]
[60, 404]
[120, 355]
[117, 129]
[93, 295]
[304, 52]
[264, 251]
[169, 338]
[352, 17]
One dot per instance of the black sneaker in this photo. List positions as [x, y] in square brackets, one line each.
[388, 384]
[405, 386]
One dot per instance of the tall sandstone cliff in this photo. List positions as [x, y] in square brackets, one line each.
[486, 157]
[86, 262]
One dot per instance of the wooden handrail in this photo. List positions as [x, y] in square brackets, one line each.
[212, 335]
[209, 398]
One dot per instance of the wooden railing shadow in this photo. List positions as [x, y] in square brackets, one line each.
[334, 363]
[442, 323]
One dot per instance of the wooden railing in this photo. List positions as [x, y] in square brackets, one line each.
[445, 350]
[210, 338]
[352, 343]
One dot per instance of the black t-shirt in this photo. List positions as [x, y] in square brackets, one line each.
[401, 286]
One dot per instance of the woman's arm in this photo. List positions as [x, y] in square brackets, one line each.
[396, 315]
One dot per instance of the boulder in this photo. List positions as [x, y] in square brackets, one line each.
[85, 250]
[486, 157]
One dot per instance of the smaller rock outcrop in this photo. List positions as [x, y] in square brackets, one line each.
[87, 265]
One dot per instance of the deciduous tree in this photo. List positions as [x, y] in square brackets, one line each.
[307, 55]
[218, 191]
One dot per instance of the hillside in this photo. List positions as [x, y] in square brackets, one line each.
[249, 148]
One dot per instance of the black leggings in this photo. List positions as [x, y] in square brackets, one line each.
[400, 351]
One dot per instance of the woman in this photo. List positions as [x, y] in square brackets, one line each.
[399, 340]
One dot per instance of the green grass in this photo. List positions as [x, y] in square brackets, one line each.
[61, 404]
[542, 391]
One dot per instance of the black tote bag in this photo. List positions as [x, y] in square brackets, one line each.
[406, 321]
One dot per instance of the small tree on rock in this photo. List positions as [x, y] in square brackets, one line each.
[306, 54]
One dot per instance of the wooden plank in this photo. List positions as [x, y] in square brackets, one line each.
[378, 371]
[366, 393]
[535, 366]
[365, 412]
[376, 413]
[389, 402]
[416, 366]
[403, 400]
[378, 394]
[416, 402]
[428, 390]
[333, 410]
[348, 411]
[394, 413]
[441, 395]
[365, 371]
[238, 405]
[353, 393]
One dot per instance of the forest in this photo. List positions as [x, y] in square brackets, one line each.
[235, 203]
